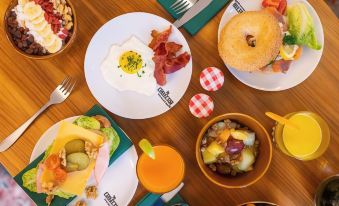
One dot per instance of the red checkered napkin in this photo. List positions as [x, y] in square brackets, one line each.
[211, 79]
[201, 105]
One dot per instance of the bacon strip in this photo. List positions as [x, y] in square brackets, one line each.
[172, 49]
[174, 64]
[159, 73]
[159, 37]
[165, 58]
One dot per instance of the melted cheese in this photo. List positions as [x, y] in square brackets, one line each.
[75, 182]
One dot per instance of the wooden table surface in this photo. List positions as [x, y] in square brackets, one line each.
[25, 85]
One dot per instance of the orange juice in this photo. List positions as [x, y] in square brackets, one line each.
[162, 174]
[305, 140]
[308, 141]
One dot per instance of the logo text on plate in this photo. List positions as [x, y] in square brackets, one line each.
[165, 97]
[237, 6]
[110, 200]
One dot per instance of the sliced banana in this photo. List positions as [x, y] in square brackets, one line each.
[39, 19]
[32, 11]
[47, 30]
[38, 27]
[49, 40]
[55, 47]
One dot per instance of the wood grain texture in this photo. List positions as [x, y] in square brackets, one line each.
[25, 85]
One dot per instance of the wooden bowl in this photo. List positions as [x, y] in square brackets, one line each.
[261, 164]
[31, 56]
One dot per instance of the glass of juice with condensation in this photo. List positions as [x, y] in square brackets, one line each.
[162, 174]
[306, 142]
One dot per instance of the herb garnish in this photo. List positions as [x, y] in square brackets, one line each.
[289, 40]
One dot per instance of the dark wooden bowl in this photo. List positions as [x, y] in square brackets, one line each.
[32, 56]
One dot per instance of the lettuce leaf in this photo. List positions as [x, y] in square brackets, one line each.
[29, 179]
[87, 122]
[63, 194]
[113, 137]
[301, 26]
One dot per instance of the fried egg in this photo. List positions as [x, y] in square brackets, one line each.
[129, 67]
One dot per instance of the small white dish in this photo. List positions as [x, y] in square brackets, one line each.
[131, 104]
[300, 69]
[119, 182]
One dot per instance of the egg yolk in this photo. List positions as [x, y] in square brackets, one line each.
[130, 62]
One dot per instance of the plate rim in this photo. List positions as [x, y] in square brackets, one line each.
[190, 65]
[233, 71]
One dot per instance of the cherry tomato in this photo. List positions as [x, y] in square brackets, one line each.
[271, 3]
[52, 162]
[282, 7]
[60, 174]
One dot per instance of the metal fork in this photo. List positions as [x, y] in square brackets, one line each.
[180, 6]
[62, 91]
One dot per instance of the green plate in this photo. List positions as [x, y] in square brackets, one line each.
[125, 143]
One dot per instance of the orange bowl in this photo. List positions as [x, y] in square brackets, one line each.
[261, 164]
[31, 56]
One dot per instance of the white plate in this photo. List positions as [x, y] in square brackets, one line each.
[120, 180]
[130, 104]
[299, 70]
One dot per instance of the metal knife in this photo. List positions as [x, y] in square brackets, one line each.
[192, 12]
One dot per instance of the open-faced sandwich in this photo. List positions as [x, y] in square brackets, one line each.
[79, 152]
[268, 40]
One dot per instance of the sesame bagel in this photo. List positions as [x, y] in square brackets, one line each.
[250, 40]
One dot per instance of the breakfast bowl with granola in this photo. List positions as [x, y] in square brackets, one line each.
[233, 150]
[40, 29]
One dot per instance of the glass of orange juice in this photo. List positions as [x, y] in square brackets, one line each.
[162, 174]
[306, 142]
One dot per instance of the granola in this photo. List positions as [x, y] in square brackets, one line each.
[91, 150]
[49, 199]
[91, 192]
